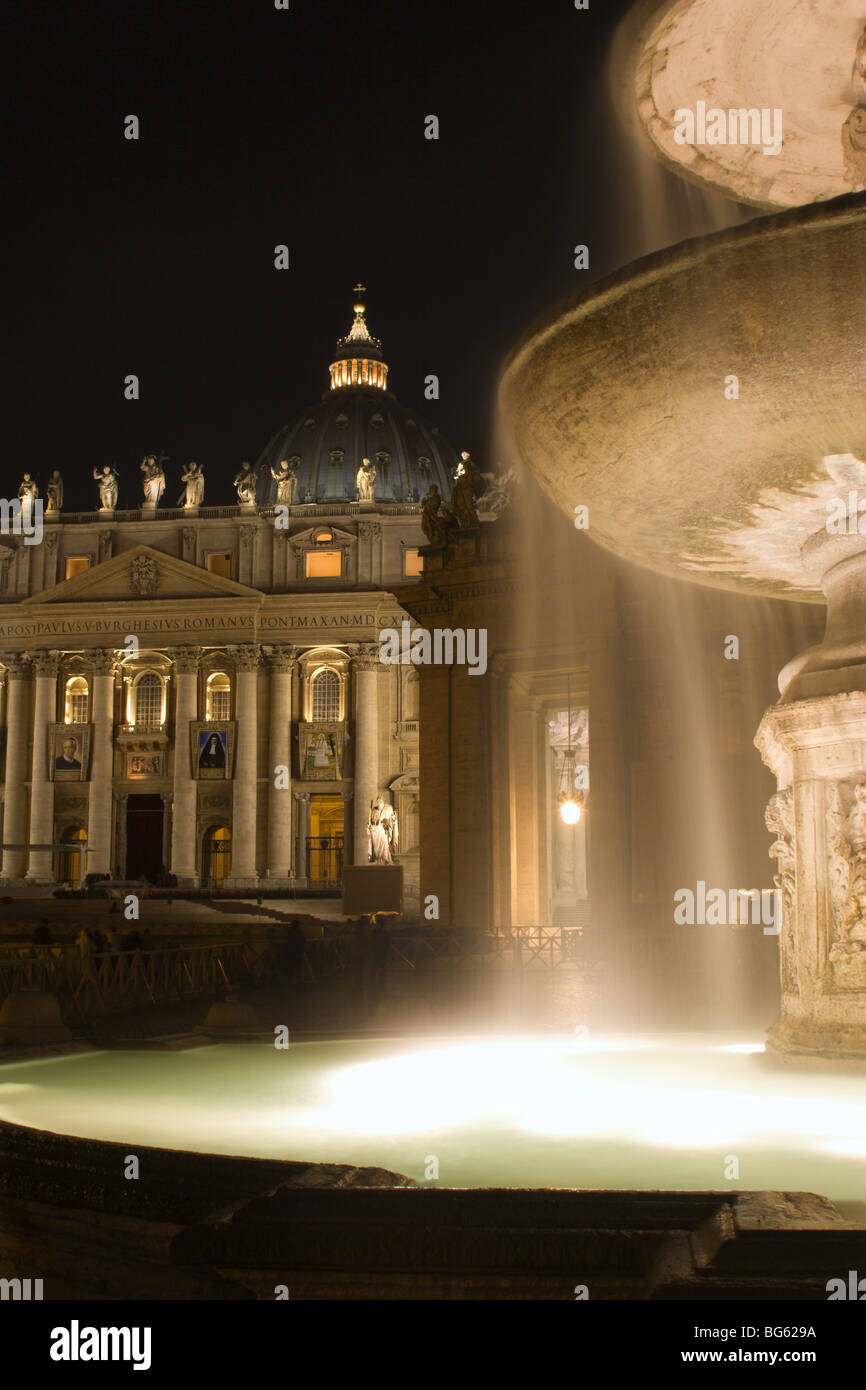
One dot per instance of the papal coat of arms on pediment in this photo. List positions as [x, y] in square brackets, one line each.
[144, 576]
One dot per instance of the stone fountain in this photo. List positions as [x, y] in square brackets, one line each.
[703, 412]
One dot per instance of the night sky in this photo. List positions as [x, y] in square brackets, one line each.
[304, 127]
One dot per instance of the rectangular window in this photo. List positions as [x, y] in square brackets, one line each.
[220, 562]
[323, 564]
[413, 563]
[77, 706]
[76, 564]
[221, 704]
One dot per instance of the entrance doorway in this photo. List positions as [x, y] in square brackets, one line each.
[325, 842]
[70, 862]
[144, 826]
[216, 856]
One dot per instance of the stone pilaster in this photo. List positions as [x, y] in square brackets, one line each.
[281, 664]
[15, 803]
[41, 866]
[303, 800]
[366, 666]
[247, 659]
[101, 763]
[183, 820]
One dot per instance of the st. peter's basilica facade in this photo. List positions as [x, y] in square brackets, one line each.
[196, 689]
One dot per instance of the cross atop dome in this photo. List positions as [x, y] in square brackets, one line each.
[359, 354]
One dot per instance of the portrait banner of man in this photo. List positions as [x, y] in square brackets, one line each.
[70, 752]
[212, 748]
[321, 751]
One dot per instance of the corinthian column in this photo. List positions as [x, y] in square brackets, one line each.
[41, 867]
[15, 803]
[281, 665]
[183, 820]
[101, 763]
[366, 666]
[245, 797]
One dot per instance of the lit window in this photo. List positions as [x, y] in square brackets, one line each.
[148, 700]
[76, 564]
[76, 700]
[219, 696]
[413, 563]
[323, 564]
[324, 537]
[220, 562]
[326, 695]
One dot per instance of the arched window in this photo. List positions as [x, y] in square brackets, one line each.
[148, 699]
[326, 695]
[218, 704]
[77, 700]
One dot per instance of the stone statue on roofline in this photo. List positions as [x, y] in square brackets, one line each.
[54, 492]
[468, 485]
[154, 479]
[107, 481]
[365, 480]
[286, 480]
[245, 482]
[437, 522]
[193, 493]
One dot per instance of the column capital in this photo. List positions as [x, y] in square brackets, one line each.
[46, 663]
[281, 658]
[301, 796]
[365, 656]
[247, 656]
[104, 659]
[17, 664]
[186, 659]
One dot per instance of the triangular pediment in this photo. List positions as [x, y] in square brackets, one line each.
[147, 576]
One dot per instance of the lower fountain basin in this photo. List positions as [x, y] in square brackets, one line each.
[627, 1112]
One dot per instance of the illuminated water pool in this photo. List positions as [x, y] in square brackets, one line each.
[640, 1112]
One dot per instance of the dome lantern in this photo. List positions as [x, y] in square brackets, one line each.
[359, 355]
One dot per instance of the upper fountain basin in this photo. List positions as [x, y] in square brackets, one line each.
[690, 400]
[799, 64]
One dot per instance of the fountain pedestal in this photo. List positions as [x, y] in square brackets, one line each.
[817, 750]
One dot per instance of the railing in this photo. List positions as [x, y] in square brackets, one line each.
[102, 982]
[518, 947]
[323, 507]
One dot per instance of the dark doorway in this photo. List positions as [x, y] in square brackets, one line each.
[144, 817]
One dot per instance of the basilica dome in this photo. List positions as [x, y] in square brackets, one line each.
[358, 418]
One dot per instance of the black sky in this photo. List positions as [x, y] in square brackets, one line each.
[306, 127]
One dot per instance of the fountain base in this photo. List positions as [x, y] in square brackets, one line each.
[817, 750]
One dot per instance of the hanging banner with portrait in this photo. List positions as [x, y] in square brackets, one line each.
[321, 750]
[212, 748]
[69, 749]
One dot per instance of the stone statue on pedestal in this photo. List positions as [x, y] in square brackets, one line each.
[437, 522]
[28, 491]
[468, 484]
[154, 480]
[245, 482]
[286, 480]
[108, 481]
[382, 835]
[365, 480]
[193, 494]
[54, 492]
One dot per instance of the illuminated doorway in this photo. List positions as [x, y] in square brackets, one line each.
[325, 842]
[70, 863]
[217, 856]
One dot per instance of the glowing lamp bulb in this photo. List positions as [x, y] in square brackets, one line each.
[570, 812]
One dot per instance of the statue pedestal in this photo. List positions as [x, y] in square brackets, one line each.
[817, 750]
[247, 508]
[366, 504]
[372, 888]
[190, 511]
[148, 511]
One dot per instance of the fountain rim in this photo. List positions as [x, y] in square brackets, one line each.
[664, 264]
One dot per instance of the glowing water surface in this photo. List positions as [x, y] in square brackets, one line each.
[641, 1112]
